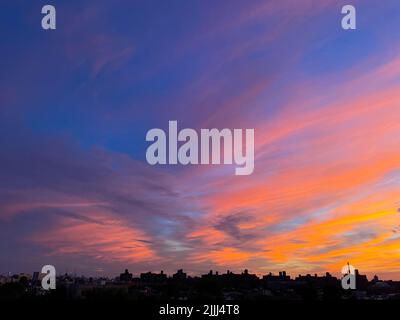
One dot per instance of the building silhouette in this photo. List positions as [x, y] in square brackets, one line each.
[209, 286]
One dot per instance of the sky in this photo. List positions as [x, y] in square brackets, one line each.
[76, 104]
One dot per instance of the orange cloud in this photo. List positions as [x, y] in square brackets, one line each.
[108, 239]
[323, 191]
